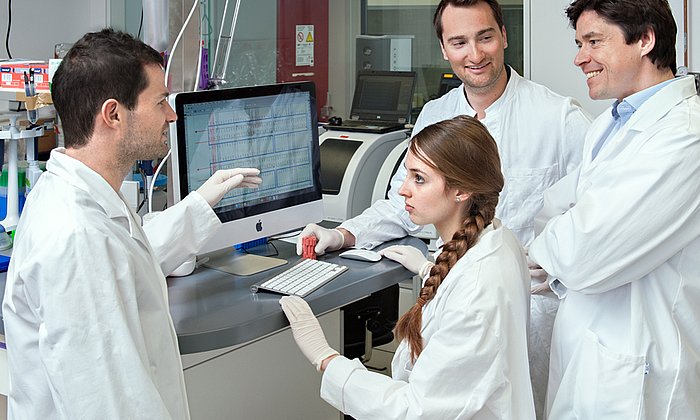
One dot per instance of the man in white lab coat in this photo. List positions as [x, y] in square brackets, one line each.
[88, 330]
[539, 135]
[622, 244]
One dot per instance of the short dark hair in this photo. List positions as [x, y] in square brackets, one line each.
[634, 18]
[437, 18]
[101, 65]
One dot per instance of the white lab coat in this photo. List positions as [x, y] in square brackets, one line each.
[474, 363]
[625, 253]
[540, 136]
[88, 329]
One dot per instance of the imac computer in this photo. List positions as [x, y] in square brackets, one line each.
[273, 128]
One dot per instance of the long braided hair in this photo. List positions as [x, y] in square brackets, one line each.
[465, 154]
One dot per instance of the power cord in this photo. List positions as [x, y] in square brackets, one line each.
[9, 26]
[138, 36]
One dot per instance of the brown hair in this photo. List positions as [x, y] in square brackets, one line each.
[101, 65]
[465, 154]
[634, 18]
[437, 17]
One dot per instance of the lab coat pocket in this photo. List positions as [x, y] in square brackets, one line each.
[609, 385]
[522, 198]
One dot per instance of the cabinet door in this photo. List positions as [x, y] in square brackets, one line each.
[302, 44]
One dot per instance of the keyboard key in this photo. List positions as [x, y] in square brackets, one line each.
[302, 278]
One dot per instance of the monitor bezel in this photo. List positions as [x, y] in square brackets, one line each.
[263, 219]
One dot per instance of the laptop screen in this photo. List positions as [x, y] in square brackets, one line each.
[383, 96]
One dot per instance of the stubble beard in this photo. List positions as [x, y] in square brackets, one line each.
[485, 87]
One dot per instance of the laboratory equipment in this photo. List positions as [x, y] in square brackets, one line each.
[155, 24]
[383, 52]
[224, 42]
[270, 127]
[302, 278]
[382, 102]
[33, 171]
[369, 322]
[14, 134]
[448, 81]
[350, 163]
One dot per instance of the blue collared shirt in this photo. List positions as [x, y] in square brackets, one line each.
[622, 112]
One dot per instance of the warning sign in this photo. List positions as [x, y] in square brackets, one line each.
[305, 45]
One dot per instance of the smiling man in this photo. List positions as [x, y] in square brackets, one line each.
[623, 237]
[539, 135]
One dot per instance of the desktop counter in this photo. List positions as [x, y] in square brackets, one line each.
[212, 309]
[238, 353]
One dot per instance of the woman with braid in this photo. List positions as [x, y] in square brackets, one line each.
[463, 349]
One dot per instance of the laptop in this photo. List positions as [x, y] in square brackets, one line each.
[381, 103]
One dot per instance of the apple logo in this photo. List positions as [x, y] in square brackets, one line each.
[258, 226]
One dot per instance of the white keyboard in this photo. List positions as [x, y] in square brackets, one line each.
[302, 278]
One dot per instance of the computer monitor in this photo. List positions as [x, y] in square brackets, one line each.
[383, 96]
[448, 81]
[271, 127]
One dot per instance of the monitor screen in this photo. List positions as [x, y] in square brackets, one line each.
[273, 128]
[383, 95]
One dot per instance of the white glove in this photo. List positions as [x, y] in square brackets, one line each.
[538, 274]
[327, 239]
[306, 330]
[224, 180]
[410, 257]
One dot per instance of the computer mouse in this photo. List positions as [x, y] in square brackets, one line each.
[361, 255]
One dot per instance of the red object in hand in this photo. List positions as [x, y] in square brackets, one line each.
[308, 245]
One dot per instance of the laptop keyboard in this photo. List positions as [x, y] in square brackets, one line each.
[357, 123]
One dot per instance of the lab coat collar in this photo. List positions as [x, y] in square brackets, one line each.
[484, 246]
[507, 96]
[495, 224]
[82, 177]
[648, 114]
[658, 104]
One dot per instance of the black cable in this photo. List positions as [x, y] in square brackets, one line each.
[9, 26]
[138, 209]
[291, 234]
[140, 25]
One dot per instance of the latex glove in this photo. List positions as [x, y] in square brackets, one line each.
[410, 257]
[327, 239]
[224, 180]
[306, 330]
[537, 274]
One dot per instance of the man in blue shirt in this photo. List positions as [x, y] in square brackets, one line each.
[622, 232]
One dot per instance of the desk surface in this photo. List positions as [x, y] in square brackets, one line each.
[212, 309]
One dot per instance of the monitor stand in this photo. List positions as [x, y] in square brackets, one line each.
[240, 263]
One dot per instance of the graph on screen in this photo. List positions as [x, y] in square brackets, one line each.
[271, 133]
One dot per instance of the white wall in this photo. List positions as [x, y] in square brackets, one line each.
[677, 9]
[344, 25]
[552, 49]
[694, 35]
[38, 25]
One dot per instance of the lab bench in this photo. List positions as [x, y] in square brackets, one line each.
[238, 353]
